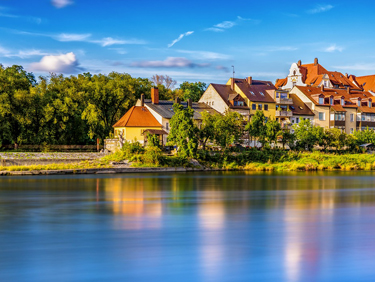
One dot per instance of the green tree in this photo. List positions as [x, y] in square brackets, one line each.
[228, 129]
[273, 128]
[305, 134]
[207, 128]
[193, 90]
[257, 127]
[183, 132]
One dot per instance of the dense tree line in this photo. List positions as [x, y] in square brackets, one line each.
[230, 128]
[70, 110]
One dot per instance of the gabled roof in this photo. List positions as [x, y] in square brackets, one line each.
[165, 108]
[313, 74]
[299, 107]
[312, 92]
[367, 82]
[226, 93]
[257, 90]
[137, 117]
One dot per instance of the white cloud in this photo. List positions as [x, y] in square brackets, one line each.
[66, 37]
[225, 24]
[333, 48]
[108, 41]
[170, 62]
[220, 27]
[64, 63]
[61, 3]
[120, 51]
[205, 55]
[320, 9]
[180, 37]
[357, 67]
[21, 53]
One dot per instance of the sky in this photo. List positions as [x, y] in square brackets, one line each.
[187, 40]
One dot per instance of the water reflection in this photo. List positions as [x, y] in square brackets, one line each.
[189, 227]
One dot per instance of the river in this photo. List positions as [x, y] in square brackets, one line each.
[232, 226]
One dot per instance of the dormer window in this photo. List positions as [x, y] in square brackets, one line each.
[369, 103]
[359, 103]
[321, 100]
[261, 93]
[331, 100]
[252, 93]
[342, 102]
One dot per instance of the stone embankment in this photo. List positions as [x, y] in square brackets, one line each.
[25, 159]
[113, 170]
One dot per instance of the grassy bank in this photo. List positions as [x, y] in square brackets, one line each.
[251, 160]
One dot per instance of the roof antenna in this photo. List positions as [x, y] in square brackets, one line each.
[233, 72]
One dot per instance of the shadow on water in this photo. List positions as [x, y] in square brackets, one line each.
[219, 226]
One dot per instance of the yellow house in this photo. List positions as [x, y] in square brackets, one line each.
[258, 94]
[133, 124]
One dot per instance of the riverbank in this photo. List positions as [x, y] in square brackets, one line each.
[278, 161]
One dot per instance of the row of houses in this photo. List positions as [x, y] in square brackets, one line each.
[328, 99]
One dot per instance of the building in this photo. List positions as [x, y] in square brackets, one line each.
[244, 96]
[345, 109]
[132, 126]
[162, 110]
[366, 82]
[315, 75]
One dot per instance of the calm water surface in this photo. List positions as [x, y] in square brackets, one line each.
[188, 227]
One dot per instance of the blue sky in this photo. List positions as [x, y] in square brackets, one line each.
[187, 40]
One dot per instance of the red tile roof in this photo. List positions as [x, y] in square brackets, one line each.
[312, 92]
[137, 117]
[257, 90]
[367, 82]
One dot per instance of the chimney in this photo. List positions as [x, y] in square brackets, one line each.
[232, 83]
[322, 87]
[346, 75]
[177, 100]
[142, 100]
[249, 80]
[315, 61]
[155, 95]
[299, 63]
[190, 103]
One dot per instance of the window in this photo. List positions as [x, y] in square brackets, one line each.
[261, 93]
[252, 93]
[321, 116]
[342, 102]
[266, 119]
[259, 106]
[331, 101]
[297, 120]
[266, 107]
[363, 117]
[351, 117]
[321, 100]
[167, 126]
[351, 130]
[254, 107]
[340, 116]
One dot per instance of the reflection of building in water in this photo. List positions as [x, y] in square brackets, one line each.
[211, 216]
[131, 197]
[304, 210]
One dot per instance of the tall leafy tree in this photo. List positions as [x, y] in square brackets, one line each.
[183, 131]
[257, 127]
[193, 90]
[228, 129]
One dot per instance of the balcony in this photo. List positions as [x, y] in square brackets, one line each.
[366, 124]
[284, 113]
[337, 123]
[284, 101]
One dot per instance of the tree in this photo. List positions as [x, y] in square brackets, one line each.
[273, 128]
[207, 128]
[287, 137]
[256, 127]
[193, 90]
[183, 132]
[165, 80]
[305, 134]
[228, 128]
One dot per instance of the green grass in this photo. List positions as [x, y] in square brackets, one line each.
[81, 165]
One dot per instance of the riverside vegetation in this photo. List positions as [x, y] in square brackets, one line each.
[337, 150]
